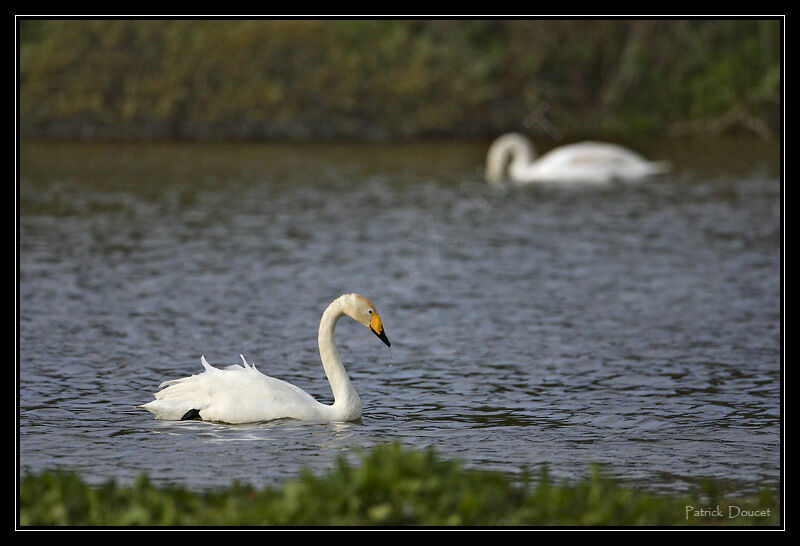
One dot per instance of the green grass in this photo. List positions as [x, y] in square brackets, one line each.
[391, 486]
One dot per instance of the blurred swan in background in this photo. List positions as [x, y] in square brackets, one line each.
[512, 157]
[242, 394]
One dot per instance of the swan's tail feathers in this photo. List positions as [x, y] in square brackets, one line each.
[169, 409]
[205, 363]
[171, 382]
[660, 167]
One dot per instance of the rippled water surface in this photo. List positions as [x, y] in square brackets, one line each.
[634, 325]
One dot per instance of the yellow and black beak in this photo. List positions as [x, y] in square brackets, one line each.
[377, 328]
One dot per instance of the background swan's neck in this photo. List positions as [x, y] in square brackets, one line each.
[346, 399]
[509, 152]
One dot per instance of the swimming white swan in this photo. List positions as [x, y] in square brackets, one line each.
[596, 162]
[242, 394]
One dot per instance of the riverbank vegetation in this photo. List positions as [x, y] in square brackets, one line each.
[396, 80]
[390, 486]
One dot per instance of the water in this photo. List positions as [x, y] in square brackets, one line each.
[636, 326]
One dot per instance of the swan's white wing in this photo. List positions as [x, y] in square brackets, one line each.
[591, 162]
[236, 394]
[599, 152]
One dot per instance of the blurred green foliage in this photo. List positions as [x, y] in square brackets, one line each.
[390, 80]
[390, 486]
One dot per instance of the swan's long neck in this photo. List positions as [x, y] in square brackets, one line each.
[346, 399]
[512, 151]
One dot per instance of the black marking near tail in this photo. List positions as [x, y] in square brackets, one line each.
[191, 414]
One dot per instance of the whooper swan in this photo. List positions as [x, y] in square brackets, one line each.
[242, 394]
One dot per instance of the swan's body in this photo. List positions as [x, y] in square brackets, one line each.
[595, 162]
[242, 394]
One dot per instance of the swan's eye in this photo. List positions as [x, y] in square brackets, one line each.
[369, 311]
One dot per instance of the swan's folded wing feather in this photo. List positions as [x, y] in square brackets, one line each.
[236, 395]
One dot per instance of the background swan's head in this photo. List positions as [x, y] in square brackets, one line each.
[505, 150]
[360, 309]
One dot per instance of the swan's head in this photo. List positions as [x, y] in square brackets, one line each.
[362, 310]
[507, 151]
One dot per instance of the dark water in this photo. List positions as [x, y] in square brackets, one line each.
[636, 326]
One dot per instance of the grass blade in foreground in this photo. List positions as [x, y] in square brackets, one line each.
[391, 486]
